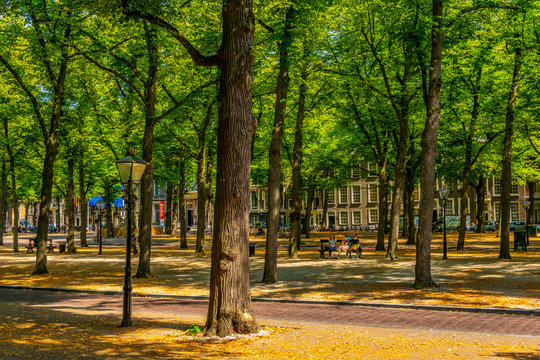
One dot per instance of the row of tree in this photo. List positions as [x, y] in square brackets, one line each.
[281, 93]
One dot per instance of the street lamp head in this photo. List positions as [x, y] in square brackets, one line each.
[443, 193]
[131, 168]
[526, 204]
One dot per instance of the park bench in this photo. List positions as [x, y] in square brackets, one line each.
[32, 244]
[324, 248]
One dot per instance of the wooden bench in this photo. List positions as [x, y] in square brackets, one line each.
[32, 244]
[324, 248]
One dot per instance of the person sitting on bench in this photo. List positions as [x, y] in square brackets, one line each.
[356, 247]
[344, 246]
[331, 245]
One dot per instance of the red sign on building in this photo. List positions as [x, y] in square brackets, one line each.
[162, 213]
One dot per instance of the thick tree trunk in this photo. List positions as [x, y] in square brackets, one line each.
[70, 204]
[274, 156]
[296, 213]
[3, 187]
[383, 205]
[406, 199]
[169, 206]
[230, 302]
[506, 176]
[182, 202]
[147, 181]
[429, 153]
[51, 150]
[83, 204]
[481, 204]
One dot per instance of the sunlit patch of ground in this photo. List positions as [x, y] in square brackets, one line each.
[474, 277]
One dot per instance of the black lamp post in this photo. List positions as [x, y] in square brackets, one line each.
[443, 193]
[526, 205]
[131, 168]
[100, 206]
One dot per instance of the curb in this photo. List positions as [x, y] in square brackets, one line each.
[499, 311]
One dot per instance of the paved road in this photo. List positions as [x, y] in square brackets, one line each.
[296, 313]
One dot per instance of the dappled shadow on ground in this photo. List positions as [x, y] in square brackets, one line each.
[518, 355]
[56, 332]
[470, 278]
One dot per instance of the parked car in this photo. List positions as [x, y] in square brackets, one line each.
[489, 225]
[517, 225]
[452, 223]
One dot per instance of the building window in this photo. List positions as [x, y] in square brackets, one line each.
[344, 218]
[254, 201]
[496, 187]
[356, 194]
[318, 219]
[343, 198]
[355, 172]
[514, 211]
[156, 213]
[373, 216]
[372, 168]
[497, 211]
[357, 217]
[514, 189]
[449, 207]
[331, 197]
[373, 192]
[416, 193]
[157, 190]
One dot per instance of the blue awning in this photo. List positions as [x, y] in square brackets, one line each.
[117, 202]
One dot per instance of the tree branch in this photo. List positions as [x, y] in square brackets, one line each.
[197, 57]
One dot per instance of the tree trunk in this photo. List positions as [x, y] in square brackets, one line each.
[531, 185]
[147, 181]
[168, 211]
[481, 204]
[3, 187]
[70, 204]
[506, 176]
[15, 204]
[83, 204]
[429, 153]
[411, 234]
[108, 211]
[309, 206]
[230, 302]
[202, 198]
[182, 203]
[274, 156]
[383, 204]
[325, 209]
[174, 211]
[406, 199]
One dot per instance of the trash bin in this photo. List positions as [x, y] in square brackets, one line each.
[62, 248]
[520, 241]
[251, 250]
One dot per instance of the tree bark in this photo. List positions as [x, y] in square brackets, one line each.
[309, 206]
[83, 203]
[174, 210]
[202, 198]
[274, 155]
[3, 188]
[383, 204]
[169, 206]
[481, 204]
[230, 302]
[70, 204]
[506, 176]
[147, 181]
[411, 233]
[429, 153]
[182, 203]
[14, 198]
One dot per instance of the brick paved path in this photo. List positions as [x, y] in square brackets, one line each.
[296, 313]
